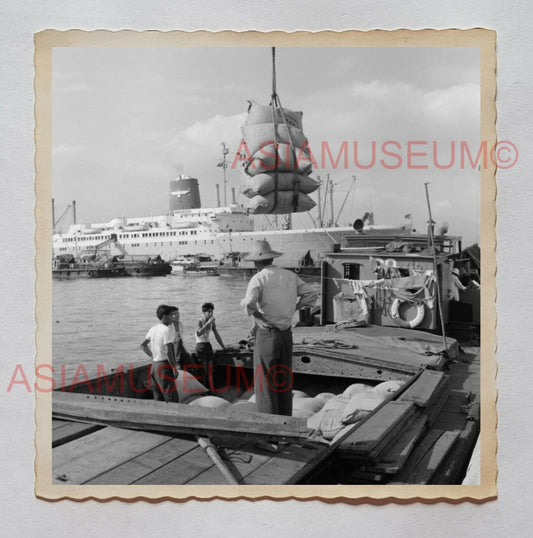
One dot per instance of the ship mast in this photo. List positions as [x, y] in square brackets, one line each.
[224, 165]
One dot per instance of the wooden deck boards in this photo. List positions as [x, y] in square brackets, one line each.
[142, 465]
[92, 454]
[82, 459]
[65, 431]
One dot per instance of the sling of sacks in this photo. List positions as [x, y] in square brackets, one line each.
[270, 151]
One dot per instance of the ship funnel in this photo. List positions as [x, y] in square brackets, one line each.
[184, 193]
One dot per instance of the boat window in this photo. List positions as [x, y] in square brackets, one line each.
[351, 270]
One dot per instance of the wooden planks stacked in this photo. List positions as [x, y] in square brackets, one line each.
[379, 433]
[382, 450]
[429, 392]
[427, 458]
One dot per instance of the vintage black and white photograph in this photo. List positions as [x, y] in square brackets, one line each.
[265, 262]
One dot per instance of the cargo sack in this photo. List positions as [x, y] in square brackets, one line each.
[264, 183]
[356, 388]
[263, 114]
[311, 405]
[187, 385]
[338, 403]
[299, 394]
[325, 396]
[242, 407]
[350, 308]
[261, 205]
[327, 422]
[361, 405]
[210, 402]
[389, 386]
[286, 159]
[263, 134]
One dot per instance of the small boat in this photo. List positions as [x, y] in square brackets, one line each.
[233, 265]
[100, 263]
[195, 265]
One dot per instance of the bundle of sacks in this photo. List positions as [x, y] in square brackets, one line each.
[276, 150]
[326, 413]
[355, 403]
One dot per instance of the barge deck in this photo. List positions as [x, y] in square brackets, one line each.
[431, 436]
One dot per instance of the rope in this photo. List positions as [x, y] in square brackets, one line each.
[328, 342]
[273, 73]
[276, 177]
[275, 103]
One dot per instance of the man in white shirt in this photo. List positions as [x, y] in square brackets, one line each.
[272, 297]
[159, 346]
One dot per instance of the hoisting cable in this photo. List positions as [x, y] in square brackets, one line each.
[275, 103]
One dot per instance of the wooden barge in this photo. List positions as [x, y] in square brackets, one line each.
[107, 433]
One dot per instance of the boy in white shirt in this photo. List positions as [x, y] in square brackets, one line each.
[159, 346]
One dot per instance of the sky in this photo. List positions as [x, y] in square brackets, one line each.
[126, 121]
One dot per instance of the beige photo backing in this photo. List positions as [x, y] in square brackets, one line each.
[485, 41]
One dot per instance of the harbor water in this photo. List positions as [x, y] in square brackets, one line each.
[105, 320]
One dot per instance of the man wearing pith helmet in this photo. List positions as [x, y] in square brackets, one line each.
[272, 297]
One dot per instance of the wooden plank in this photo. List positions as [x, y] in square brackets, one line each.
[427, 458]
[422, 390]
[453, 469]
[56, 423]
[145, 463]
[241, 462]
[417, 455]
[70, 431]
[433, 459]
[434, 410]
[173, 417]
[377, 427]
[82, 459]
[393, 436]
[394, 459]
[180, 470]
[289, 465]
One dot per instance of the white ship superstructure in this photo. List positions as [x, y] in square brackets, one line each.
[194, 230]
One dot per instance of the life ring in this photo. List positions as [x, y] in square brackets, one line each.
[91, 273]
[415, 322]
[389, 262]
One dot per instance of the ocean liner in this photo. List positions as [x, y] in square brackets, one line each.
[189, 229]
